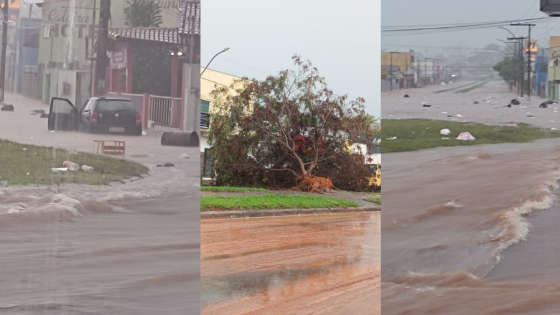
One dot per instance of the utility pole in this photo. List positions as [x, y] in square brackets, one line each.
[519, 64]
[391, 71]
[530, 26]
[91, 77]
[425, 70]
[5, 10]
[103, 34]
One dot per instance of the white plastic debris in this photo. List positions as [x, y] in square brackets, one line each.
[71, 166]
[184, 156]
[445, 132]
[466, 136]
[392, 138]
[59, 170]
[459, 115]
[144, 133]
[444, 138]
[87, 168]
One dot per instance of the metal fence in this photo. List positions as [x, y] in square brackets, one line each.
[165, 111]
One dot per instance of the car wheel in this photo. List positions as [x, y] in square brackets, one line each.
[138, 131]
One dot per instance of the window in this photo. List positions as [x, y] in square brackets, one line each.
[115, 105]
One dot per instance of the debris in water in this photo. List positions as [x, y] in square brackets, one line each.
[37, 112]
[7, 108]
[166, 165]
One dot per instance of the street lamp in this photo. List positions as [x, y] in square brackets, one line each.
[223, 51]
[505, 29]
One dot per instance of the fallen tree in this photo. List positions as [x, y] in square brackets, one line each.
[289, 130]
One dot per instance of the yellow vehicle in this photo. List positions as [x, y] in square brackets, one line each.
[361, 149]
[375, 180]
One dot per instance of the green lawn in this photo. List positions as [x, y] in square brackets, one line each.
[376, 200]
[272, 201]
[230, 189]
[28, 165]
[419, 134]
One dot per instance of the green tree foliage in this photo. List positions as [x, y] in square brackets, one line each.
[505, 69]
[151, 64]
[276, 131]
[143, 13]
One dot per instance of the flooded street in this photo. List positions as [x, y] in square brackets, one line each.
[491, 98]
[476, 233]
[125, 248]
[301, 264]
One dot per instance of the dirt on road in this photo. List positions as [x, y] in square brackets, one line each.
[303, 264]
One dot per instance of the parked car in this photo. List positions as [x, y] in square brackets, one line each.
[99, 114]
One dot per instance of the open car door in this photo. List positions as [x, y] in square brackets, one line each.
[63, 115]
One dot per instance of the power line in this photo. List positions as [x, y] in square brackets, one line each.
[455, 25]
[530, 8]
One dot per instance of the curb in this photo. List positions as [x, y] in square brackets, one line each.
[275, 212]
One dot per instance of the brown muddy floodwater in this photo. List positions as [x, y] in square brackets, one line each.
[123, 249]
[308, 264]
[472, 230]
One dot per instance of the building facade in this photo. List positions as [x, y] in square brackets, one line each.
[398, 70]
[66, 49]
[553, 76]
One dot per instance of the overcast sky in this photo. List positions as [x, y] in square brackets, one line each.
[341, 38]
[415, 12]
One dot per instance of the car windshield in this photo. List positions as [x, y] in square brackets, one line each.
[115, 105]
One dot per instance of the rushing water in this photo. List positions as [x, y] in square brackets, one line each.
[472, 230]
[125, 248]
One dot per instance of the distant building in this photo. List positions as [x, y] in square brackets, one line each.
[540, 80]
[209, 80]
[398, 67]
[553, 76]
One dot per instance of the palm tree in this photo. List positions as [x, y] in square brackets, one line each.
[143, 13]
